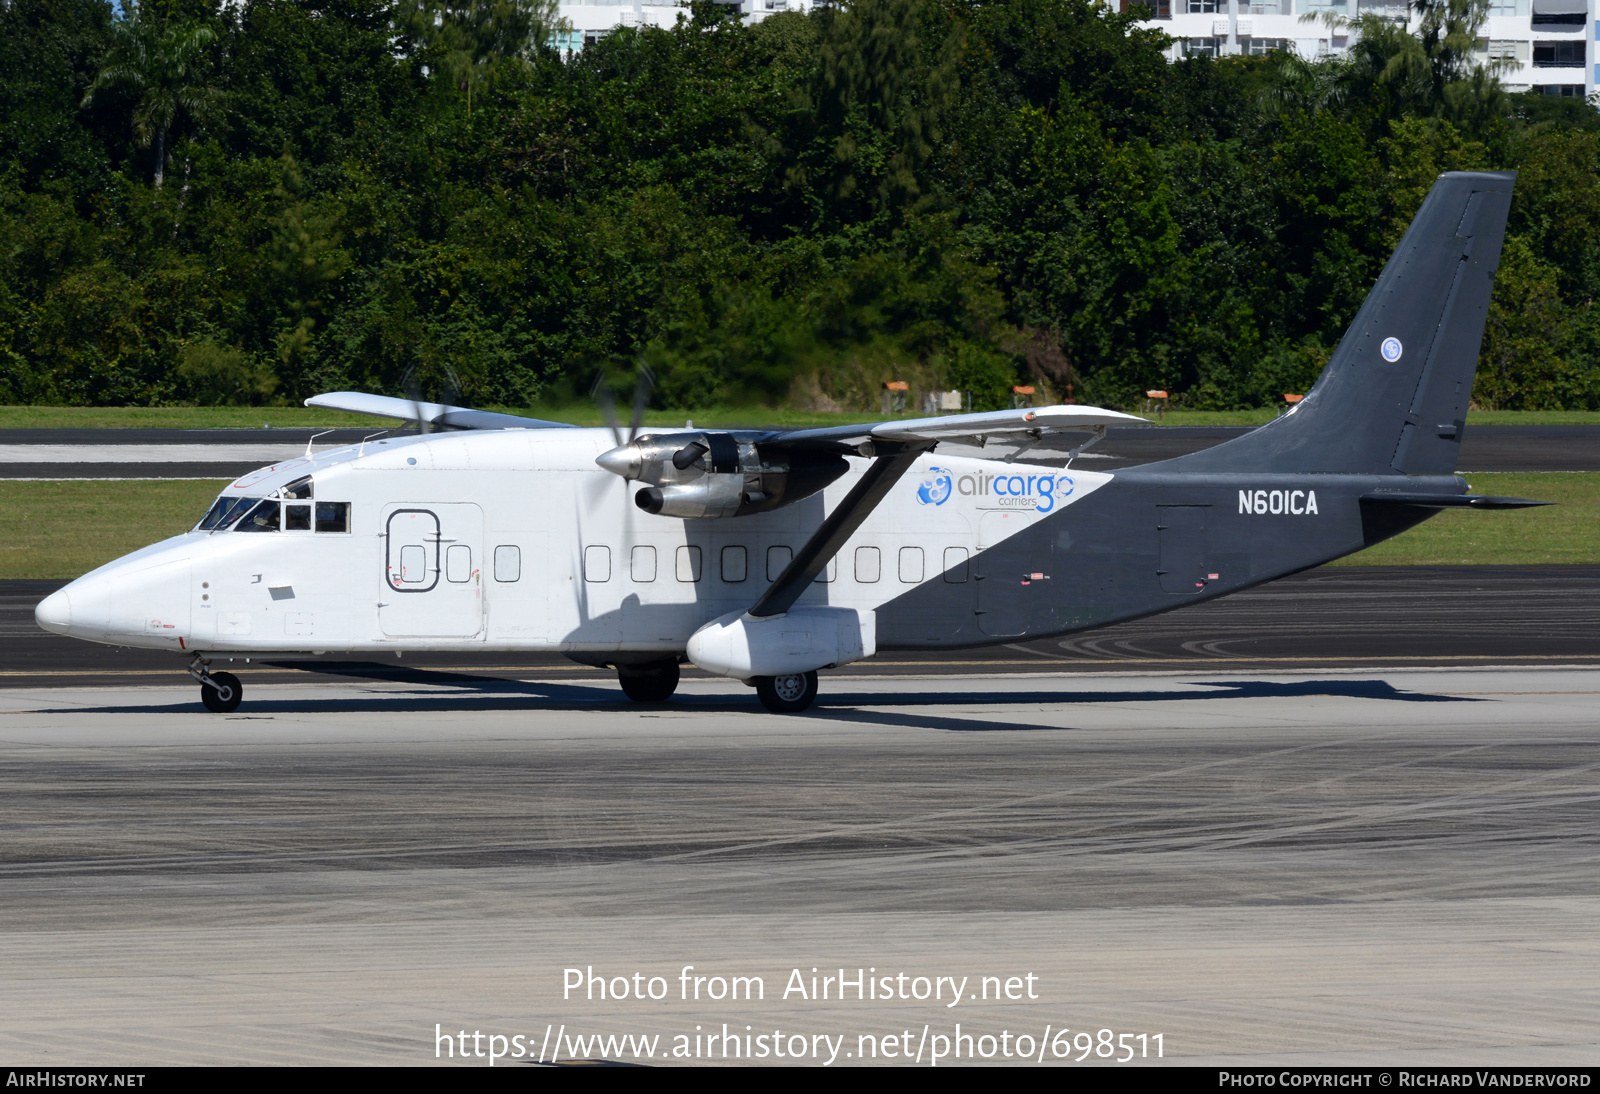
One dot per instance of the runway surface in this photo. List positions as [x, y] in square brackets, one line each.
[228, 453]
[1329, 617]
[1372, 866]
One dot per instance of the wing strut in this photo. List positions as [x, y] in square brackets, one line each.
[839, 526]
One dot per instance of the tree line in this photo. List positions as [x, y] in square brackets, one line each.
[254, 202]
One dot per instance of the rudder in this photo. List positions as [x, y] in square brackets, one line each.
[1393, 397]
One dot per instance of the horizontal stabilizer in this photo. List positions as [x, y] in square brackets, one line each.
[1453, 501]
[435, 414]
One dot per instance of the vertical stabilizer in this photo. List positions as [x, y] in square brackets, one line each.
[1393, 398]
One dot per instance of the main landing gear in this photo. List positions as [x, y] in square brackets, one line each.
[221, 692]
[651, 683]
[787, 694]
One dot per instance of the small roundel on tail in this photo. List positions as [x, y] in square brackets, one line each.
[1391, 349]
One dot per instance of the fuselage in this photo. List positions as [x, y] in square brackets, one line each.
[517, 540]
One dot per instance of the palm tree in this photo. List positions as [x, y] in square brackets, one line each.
[162, 70]
[470, 39]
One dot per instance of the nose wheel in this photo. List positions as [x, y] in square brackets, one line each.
[787, 694]
[220, 692]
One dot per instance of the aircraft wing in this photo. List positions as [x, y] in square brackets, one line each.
[434, 414]
[997, 423]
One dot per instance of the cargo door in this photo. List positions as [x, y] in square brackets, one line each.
[432, 571]
[1003, 575]
[1182, 555]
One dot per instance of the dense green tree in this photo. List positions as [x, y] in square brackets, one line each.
[161, 67]
[965, 193]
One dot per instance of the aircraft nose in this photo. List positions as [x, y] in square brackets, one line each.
[54, 612]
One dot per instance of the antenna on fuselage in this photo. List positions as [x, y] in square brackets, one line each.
[314, 436]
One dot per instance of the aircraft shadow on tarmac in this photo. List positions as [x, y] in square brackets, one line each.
[488, 693]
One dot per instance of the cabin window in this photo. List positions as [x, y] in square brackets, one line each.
[955, 565]
[458, 563]
[642, 567]
[263, 518]
[333, 516]
[869, 563]
[597, 563]
[911, 565]
[777, 559]
[507, 563]
[688, 564]
[413, 564]
[297, 518]
[735, 563]
[829, 572]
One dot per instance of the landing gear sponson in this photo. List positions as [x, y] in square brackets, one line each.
[654, 682]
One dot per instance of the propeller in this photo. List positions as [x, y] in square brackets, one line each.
[450, 394]
[642, 387]
[644, 383]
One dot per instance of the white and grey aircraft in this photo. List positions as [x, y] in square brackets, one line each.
[765, 555]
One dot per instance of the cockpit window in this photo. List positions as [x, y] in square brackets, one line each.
[263, 518]
[299, 490]
[224, 511]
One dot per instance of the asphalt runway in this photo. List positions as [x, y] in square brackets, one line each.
[228, 453]
[1382, 616]
[1354, 867]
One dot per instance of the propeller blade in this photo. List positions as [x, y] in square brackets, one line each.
[641, 399]
[413, 390]
[608, 407]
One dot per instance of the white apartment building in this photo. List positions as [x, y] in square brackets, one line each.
[594, 19]
[1545, 44]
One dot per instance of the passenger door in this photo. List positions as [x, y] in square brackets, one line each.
[432, 571]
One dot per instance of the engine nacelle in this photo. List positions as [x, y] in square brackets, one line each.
[711, 496]
[710, 475]
[742, 646]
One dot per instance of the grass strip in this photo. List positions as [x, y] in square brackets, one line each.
[1566, 532]
[64, 529]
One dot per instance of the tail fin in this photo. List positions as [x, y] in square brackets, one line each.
[1393, 398]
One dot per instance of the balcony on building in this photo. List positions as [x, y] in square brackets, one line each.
[1560, 13]
[1558, 54]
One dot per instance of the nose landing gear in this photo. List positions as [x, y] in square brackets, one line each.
[220, 692]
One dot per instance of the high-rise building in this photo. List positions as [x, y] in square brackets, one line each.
[1544, 45]
[594, 19]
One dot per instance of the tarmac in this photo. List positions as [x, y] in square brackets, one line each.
[1367, 867]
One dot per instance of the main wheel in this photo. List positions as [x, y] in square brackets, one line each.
[649, 683]
[225, 697]
[788, 694]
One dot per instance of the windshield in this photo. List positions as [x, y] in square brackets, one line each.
[223, 512]
[263, 518]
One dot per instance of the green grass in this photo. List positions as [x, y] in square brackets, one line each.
[280, 417]
[1476, 417]
[63, 529]
[1566, 532]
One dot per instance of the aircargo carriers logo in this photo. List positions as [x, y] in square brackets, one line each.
[1040, 493]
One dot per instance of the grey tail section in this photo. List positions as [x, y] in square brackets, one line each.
[1393, 398]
